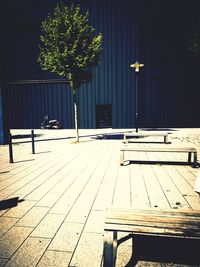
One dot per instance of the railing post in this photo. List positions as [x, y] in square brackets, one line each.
[10, 147]
[33, 141]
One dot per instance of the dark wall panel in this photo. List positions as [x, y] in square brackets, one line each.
[29, 103]
[132, 30]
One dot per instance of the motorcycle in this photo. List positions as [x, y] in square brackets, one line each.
[50, 124]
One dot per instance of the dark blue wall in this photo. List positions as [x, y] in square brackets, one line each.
[157, 33]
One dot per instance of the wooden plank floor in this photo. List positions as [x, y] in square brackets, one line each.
[57, 198]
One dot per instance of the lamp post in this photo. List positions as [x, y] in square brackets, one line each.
[137, 67]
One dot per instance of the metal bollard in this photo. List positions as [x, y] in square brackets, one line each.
[33, 141]
[10, 148]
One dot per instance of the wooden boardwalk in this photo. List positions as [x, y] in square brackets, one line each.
[56, 199]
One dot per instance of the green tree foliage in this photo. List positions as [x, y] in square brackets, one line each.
[69, 48]
[195, 42]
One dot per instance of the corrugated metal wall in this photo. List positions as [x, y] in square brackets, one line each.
[132, 30]
[29, 103]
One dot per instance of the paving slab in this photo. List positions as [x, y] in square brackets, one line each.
[6, 223]
[12, 240]
[66, 187]
[29, 253]
[55, 258]
[49, 225]
[67, 237]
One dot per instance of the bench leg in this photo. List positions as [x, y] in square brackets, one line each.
[121, 157]
[195, 157]
[189, 157]
[195, 164]
[134, 258]
[166, 139]
[125, 139]
[110, 250]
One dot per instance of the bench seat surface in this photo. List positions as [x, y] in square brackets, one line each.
[154, 222]
[144, 134]
[156, 148]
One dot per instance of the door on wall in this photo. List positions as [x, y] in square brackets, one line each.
[103, 116]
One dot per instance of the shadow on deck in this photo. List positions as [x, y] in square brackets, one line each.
[167, 250]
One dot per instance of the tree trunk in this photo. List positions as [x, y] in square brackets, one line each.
[76, 117]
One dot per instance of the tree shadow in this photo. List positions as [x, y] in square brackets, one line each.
[10, 203]
[120, 136]
[110, 136]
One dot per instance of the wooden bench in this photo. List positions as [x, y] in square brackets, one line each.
[163, 148]
[144, 134]
[135, 223]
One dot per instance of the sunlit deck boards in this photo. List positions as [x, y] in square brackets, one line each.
[67, 188]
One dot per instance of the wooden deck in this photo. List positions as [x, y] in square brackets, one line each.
[58, 196]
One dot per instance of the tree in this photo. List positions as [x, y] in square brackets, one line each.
[69, 48]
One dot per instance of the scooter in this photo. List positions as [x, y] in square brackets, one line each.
[50, 124]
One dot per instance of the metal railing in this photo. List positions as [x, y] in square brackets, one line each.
[10, 144]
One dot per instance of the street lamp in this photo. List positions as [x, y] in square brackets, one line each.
[137, 67]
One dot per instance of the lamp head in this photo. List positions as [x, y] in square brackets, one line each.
[137, 66]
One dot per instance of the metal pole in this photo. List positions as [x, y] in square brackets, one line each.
[136, 102]
[33, 141]
[10, 148]
[137, 67]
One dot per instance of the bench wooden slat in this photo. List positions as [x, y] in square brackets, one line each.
[164, 148]
[137, 230]
[158, 226]
[167, 212]
[145, 134]
[153, 215]
[154, 220]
